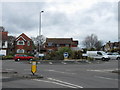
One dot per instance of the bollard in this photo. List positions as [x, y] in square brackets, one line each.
[34, 67]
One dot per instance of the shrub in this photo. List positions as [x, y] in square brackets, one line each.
[89, 58]
[58, 55]
[77, 55]
[53, 56]
[8, 57]
[65, 49]
[29, 54]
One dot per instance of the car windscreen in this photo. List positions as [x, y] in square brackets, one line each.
[25, 55]
[99, 53]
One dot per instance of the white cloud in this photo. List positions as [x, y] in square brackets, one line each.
[63, 18]
[0, 13]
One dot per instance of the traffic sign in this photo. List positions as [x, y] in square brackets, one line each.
[66, 54]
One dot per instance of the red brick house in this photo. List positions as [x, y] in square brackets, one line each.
[23, 44]
[53, 44]
[3, 41]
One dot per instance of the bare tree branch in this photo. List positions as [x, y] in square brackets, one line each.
[92, 42]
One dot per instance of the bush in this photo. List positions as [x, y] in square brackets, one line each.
[58, 55]
[77, 55]
[54, 56]
[29, 54]
[89, 58]
[8, 57]
[65, 49]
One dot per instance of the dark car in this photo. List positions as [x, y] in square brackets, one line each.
[19, 57]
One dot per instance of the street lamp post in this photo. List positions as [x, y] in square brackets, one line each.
[40, 24]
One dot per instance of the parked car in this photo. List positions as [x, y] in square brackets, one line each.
[2, 55]
[19, 57]
[98, 55]
[115, 56]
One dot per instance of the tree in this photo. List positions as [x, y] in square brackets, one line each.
[11, 45]
[91, 42]
[98, 45]
[38, 42]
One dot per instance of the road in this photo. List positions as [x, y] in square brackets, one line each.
[61, 75]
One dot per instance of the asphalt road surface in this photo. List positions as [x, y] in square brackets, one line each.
[61, 75]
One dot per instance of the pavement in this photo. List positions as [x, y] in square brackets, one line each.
[72, 74]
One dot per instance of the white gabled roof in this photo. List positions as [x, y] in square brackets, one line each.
[19, 38]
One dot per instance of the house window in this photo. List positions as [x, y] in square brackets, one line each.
[50, 44]
[58, 45]
[50, 50]
[28, 43]
[20, 42]
[67, 45]
[20, 50]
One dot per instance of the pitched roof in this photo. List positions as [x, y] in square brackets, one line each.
[2, 29]
[4, 36]
[59, 40]
[25, 37]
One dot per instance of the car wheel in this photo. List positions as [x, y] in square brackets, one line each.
[103, 59]
[17, 59]
[118, 58]
[30, 59]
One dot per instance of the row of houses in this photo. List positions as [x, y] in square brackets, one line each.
[24, 44]
[112, 46]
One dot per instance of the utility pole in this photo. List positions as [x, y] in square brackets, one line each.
[40, 30]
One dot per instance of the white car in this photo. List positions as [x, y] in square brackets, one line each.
[98, 55]
[115, 56]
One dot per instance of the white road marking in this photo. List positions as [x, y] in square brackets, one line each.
[55, 83]
[59, 82]
[63, 63]
[50, 63]
[5, 77]
[65, 83]
[103, 70]
[105, 78]
[60, 72]
[9, 69]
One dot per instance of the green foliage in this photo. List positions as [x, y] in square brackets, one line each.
[77, 54]
[58, 55]
[48, 57]
[89, 58]
[91, 49]
[54, 56]
[8, 57]
[65, 49]
[11, 54]
[115, 50]
[29, 54]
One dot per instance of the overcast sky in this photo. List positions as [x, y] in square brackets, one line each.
[62, 18]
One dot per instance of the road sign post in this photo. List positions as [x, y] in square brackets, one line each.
[34, 67]
[65, 55]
